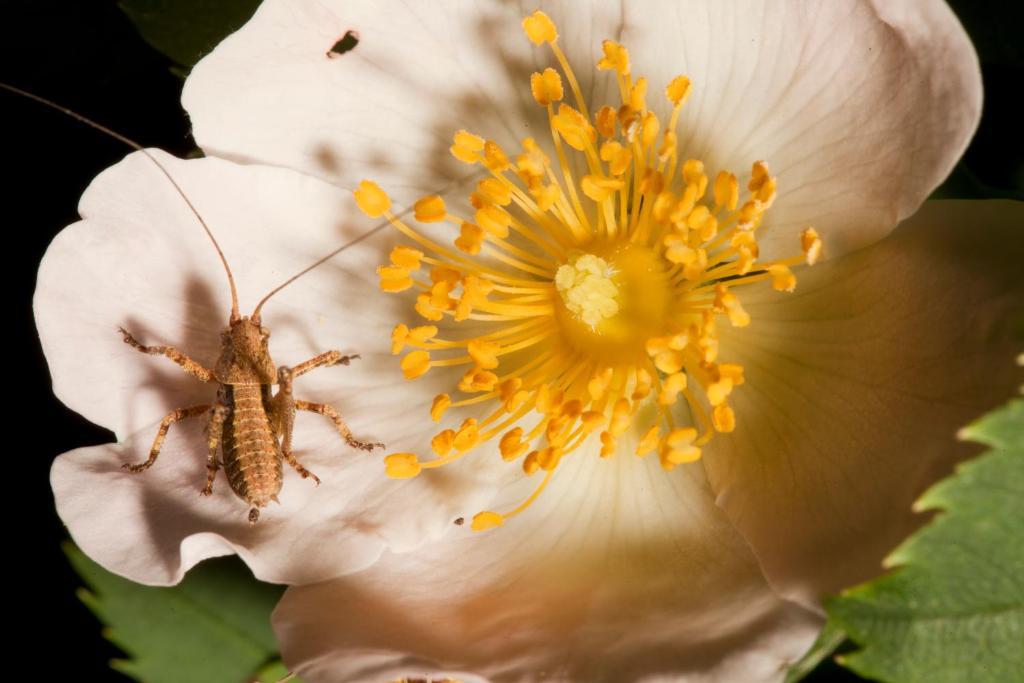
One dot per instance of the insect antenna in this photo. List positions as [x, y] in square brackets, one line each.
[315, 264]
[235, 315]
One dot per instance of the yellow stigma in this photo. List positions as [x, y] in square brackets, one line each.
[587, 289]
[595, 299]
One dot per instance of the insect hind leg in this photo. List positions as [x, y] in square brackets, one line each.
[284, 412]
[215, 431]
[332, 414]
[161, 434]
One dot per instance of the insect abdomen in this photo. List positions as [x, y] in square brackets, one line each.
[252, 459]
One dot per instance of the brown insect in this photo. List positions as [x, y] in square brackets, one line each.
[249, 424]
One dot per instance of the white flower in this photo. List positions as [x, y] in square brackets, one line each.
[854, 384]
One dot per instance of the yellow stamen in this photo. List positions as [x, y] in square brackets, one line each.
[596, 303]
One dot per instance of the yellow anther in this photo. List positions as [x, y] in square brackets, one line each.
[678, 249]
[467, 437]
[467, 147]
[621, 416]
[648, 442]
[669, 362]
[546, 87]
[656, 345]
[616, 57]
[729, 303]
[417, 335]
[482, 521]
[484, 353]
[744, 260]
[494, 157]
[671, 387]
[398, 337]
[510, 387]
[592, 419]
[549, 457]
[439, 298]
[663, 205]
[512, 445]
[426, 309]
[759, 175]
[402, 465]
[574, 128]
[649, 130]
[732, 371]
[442, 442]
[693, 174]
[686, 204]
[718, 391]
[638, 95]
[494, 220]
[677, 448]
[617, 156]
[653, 182]
[678, 90]
[668, 146]
[546, 196]
[430, 210]
[440, 404]
[372, 200]
[530, 464]
[783, 279]
[415, 364]
[598, 383]
[749, 215]
[608, 444]
[495, 191]
[548, 399]
[406, 257]
[629, 122]
[394, 279]
[723, 418]
[604, 120]
[477, 380]
[727, 190]
[598, 188]
[470, 239]
[642, 388]
[539, 28]
[811, 245]
[587, 289]
[445, 274]
[702, 220]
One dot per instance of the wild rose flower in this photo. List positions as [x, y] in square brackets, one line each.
[851, 386]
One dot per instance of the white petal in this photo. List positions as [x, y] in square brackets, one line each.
[619, 571]
[387, 109]
[860, 107]
[856, 385]
[140, 259]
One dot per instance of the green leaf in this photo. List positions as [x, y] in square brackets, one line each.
[213, 626]
[828, 640]
[953, 610]
[185, 30]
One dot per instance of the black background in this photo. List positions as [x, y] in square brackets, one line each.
[88, 57]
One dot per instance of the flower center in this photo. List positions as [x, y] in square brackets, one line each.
[598, 296]
[587, 288]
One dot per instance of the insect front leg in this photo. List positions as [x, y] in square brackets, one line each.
[283, 408]
[161, 434]
[332, 414]
[189, 365]
[215, 431]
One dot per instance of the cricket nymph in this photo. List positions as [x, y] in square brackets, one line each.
[251, 425]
